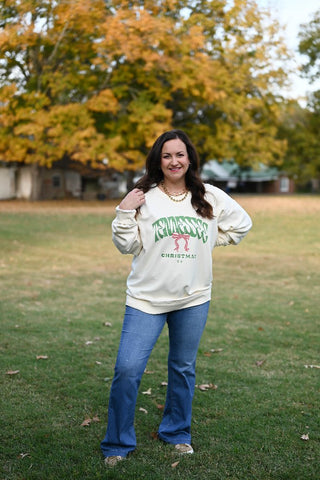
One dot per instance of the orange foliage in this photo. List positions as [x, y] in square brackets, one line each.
[87, 81]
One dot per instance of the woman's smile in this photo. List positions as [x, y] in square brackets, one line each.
[174, 160]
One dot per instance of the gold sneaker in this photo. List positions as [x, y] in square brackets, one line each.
[113, 460]
[183, 448]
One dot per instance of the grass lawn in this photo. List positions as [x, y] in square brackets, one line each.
[61, 280]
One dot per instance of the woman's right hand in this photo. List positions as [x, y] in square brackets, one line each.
[133, 200]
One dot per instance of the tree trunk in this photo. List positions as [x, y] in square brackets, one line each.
[35, 183]
[130, 174]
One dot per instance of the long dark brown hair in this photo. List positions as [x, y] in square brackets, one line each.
[154, 174]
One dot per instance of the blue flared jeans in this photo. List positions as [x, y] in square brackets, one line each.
[140, 332]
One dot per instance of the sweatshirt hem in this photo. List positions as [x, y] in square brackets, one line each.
[154, 309]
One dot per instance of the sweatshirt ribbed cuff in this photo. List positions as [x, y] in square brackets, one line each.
[125, 215]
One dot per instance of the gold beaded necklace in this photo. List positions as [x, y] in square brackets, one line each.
[172, 196]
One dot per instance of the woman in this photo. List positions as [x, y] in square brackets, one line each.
[170, 222]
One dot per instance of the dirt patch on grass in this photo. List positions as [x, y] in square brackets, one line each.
[252, 203]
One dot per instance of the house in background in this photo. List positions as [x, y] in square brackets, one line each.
[31, 182]
[7, 183]
[228, 176]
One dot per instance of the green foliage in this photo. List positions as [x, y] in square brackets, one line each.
[300, 127]
[309, 45]
[62, 279]
[86, 81]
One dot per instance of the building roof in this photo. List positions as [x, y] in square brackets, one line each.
[227, 171]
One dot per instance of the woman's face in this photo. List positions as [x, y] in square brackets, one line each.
[174, 160]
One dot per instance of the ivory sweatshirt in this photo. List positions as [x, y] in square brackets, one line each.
[172, 247]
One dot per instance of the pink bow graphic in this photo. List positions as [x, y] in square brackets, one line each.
[177, 237]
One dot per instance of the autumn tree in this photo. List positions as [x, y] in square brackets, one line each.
[300, 158]
[308, 161]
[309, 36]
[247, 58]
[97, 81]
[50, 89]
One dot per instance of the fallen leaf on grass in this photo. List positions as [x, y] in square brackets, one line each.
[175, 464]
[164, 384]
[207, 386]
[312, 366]
[159, 406]
[260, 362]
[12, 372]
[143, 410]
[90, 342]
[147, 392]
[88, 421]
[305, 436]
[23, 455]
[148, 372]
[98, 363]
[207, 354]
[216, 350]
[42, 357]
[107, 324]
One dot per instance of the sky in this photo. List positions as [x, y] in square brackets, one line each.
[291, 14]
